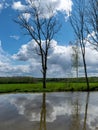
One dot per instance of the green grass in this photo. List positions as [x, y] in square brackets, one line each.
[51, 87]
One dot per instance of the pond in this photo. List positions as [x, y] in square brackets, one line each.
[49, 111]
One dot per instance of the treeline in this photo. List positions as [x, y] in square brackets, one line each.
[73, 80]
[28, 80]
[16, 80]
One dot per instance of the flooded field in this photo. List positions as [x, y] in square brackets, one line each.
[49, 111]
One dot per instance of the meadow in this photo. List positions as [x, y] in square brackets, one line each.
[28, 84]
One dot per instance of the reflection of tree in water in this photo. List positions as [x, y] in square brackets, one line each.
[52, 112]
[86, 109]
[43, 114]
[75, 119]
[76, 116]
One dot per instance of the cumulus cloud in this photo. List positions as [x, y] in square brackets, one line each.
[26, 52]
[59, 59]
[92, 38]
[18, 6]
[4, 61]
[91, 56]
[46, 8]
[26, 62]
[54, 6]
[10, 67]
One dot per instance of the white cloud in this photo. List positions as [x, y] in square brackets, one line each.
[18, 6]
[26, 62]
[10, 67]
[4, 61]
[26, 16]
[27, 52]
[92, 40]
[14, 37]
[47, 7]
[1, 6]
[59, 59]
[64, 6]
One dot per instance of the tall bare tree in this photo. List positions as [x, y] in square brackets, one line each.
[40, 27]
[92, 22]
[77, 20]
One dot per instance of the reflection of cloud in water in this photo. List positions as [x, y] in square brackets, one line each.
[30, 106]
[92, 117]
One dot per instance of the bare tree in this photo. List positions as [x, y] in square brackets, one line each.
[77, 20]
[92, 22]
[40, 27]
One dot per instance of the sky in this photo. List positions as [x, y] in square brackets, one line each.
[17, 57]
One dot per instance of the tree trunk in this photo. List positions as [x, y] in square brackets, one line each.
[45, 70]
[44, 79]
[85, 69]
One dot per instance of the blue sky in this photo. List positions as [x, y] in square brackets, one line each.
[12, 35]
[16, 60]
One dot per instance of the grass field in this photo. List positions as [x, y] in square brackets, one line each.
[51, 87]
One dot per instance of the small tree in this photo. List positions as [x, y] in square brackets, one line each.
[77, 20]
[75, 57]
[39, 27]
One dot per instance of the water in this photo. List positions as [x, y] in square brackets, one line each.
[49, 111]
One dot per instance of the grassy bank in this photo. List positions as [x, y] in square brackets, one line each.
[51, 87]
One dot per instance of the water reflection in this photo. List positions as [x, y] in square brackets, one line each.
[77, 123]
[86, 109]
[49, 111]
[75, 119]
[43, 114]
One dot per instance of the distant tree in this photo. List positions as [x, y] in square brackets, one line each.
[75, 56]
[92, 22]
[77, 20]
[40, 27]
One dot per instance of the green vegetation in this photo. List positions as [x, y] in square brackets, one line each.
[51, 87]
[17, 80]
[29, 84]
